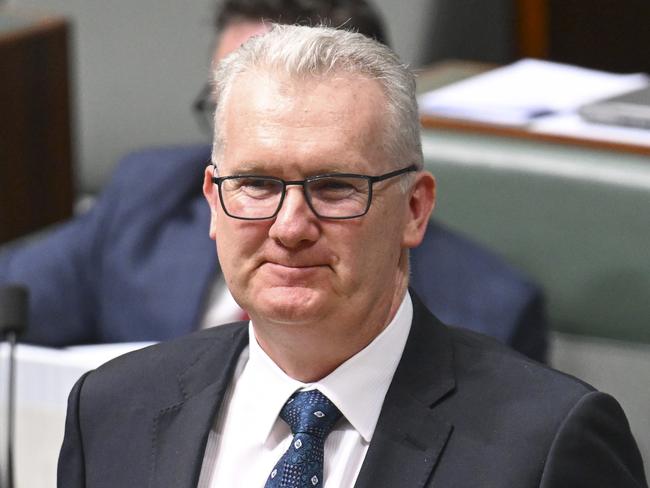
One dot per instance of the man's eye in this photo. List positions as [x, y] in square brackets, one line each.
[335, 188]
[255, 183]
[257, 187]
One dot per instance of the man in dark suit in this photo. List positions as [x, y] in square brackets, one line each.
[140, 267]
[342, 377]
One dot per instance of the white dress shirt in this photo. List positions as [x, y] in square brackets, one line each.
[248, 437]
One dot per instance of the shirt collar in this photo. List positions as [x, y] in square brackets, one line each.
[263, 382]
[357, 387]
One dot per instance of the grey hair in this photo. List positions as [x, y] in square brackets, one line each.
[301, 52]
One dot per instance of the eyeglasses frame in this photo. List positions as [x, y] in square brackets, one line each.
[218, 180]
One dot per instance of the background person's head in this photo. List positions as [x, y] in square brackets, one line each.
[355, 15]
[237, 20]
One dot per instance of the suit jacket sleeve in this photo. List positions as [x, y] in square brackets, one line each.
[63, 270]
[149, 221]
[594, 448]
[530, 329]
[58, 270]
[464, 284]
[71, 468]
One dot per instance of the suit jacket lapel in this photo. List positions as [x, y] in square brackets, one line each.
[181, 430]
[410, 435]
[408, 439]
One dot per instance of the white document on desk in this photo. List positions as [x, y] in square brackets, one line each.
[525, 91]
[44, 379]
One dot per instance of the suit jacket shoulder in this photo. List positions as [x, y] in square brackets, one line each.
[464, 410]
[142, 420]
[170, 371]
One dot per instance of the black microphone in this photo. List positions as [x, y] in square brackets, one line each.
[13, 309]
[13, 321]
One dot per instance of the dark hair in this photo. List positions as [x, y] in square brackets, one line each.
[354, 15]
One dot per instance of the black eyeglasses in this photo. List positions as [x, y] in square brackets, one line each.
[330, 196]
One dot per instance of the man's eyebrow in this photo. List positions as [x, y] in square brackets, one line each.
[249, 168]
[333, 169]
[256, 168]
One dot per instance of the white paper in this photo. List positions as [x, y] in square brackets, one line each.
[525, 91]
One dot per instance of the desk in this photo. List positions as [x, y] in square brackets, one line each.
[447, 72]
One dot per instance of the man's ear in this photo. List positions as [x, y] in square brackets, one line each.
[422, 198]
[210, 192]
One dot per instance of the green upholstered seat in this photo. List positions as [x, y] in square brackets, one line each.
[575, 219]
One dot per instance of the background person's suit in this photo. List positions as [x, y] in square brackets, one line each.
[138, 266]
[461, 411]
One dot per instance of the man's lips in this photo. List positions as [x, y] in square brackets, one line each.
[286, 266]
[292, 273]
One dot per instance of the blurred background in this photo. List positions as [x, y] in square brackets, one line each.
[135, 67]
[85, 82]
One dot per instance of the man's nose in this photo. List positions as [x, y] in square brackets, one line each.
[295, 223]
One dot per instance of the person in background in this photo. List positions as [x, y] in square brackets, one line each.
[342, 378]
[139, 265]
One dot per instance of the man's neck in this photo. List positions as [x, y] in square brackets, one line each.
[309, 352]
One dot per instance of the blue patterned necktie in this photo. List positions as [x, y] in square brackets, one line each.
[311, 417]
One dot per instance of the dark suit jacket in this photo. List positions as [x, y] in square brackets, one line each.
[139, 264]
[462, 411]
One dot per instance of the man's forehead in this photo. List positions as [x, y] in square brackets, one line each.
[323, 125]
[337, 91]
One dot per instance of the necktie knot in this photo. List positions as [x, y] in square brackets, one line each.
[310, 412]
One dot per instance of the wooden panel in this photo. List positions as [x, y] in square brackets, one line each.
[610, 35]
[36, 178]
[440, 123]
[531, 29]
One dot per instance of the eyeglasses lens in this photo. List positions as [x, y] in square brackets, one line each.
[329, 197]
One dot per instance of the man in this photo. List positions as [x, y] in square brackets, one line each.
[139, 266]
[343, 377]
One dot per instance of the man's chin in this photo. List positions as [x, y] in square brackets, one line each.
[290, 304]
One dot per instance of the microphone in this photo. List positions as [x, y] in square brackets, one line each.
[13, 321]
[13, 309]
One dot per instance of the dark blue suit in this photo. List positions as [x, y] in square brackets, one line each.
[461, 411]
[139, 264]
